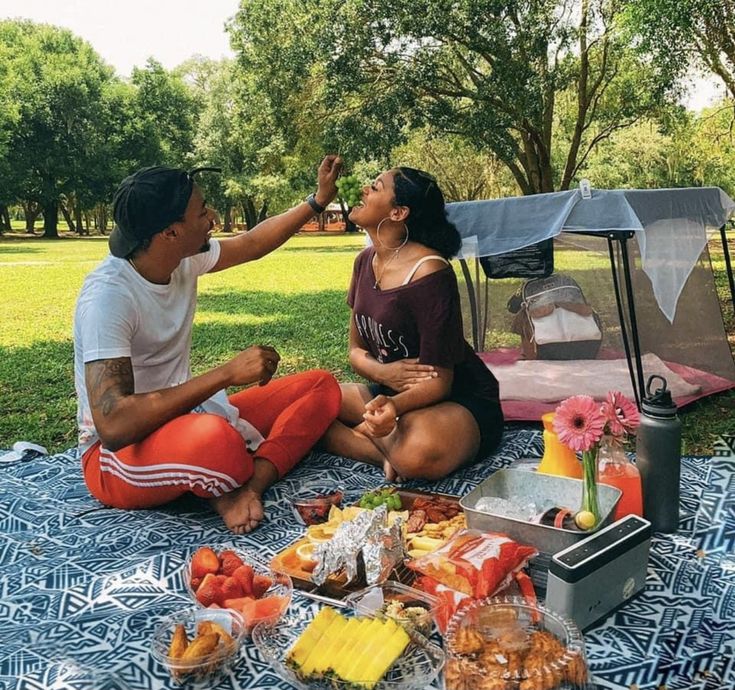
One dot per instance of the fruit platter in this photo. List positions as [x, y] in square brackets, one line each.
[427, 521]
[342, 649]
[236, 580]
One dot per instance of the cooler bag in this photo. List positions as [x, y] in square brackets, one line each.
[554, 320]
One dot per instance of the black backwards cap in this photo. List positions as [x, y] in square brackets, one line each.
[147, 202]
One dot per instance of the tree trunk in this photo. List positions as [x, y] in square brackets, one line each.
[227, 227]
[51, 220]
[31, 209]
[102, 218]
[349, 225]
[4, 219]
[79, 220]
[67, 216]
[251, 216]
[263, 212]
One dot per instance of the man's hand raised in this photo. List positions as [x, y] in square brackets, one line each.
[327, 175]
[257, 363]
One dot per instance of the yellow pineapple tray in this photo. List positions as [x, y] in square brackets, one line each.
[345, 650]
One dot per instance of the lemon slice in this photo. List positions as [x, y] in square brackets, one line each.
[317, 534]
[305, 552]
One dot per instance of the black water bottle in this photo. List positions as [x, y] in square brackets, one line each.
[658, 457]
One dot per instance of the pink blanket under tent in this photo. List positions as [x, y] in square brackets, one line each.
[637, 260]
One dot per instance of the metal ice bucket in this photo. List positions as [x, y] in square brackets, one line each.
[522, 487]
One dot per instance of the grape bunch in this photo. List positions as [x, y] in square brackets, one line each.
[373, 499]
[350, 189]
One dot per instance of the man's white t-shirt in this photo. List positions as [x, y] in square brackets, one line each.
[120, 314]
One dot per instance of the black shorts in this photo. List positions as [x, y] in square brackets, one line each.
[487, 414]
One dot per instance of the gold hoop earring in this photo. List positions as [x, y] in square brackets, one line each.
[380, 242]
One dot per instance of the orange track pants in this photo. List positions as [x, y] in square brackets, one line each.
[205, 455]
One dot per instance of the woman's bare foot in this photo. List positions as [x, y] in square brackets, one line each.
[390, 473]
[241, 509]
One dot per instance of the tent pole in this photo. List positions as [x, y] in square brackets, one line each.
[621, 316]
[728, 263]
[631, 313]
[473, 302]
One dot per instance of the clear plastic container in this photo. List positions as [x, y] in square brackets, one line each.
[312, 503]
[412, 608]
[278, 594]
[202, 671]
[506, 643]
[416, 668]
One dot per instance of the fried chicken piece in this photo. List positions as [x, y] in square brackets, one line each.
[467, 642]
[179, 642]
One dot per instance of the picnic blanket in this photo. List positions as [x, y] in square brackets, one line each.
[83, 586]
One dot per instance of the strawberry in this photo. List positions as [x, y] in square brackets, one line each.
[220, 579]
[195, 582]
[204, 561]
[209, 592]
[261, 583]
[230, 562]
[231, 589]
[244, 575]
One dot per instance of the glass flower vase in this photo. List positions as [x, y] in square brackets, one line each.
[590, 502]
[614, 469]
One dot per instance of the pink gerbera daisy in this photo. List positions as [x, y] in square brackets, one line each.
[579, 422]
[621, 414]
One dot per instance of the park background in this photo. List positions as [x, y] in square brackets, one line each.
[495, 99]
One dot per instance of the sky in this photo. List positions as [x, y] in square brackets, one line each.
[127, 32]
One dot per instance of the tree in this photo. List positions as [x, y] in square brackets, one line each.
[463, 172]
[493, 73]
[55, 91]
[680, 33]
[166, 103]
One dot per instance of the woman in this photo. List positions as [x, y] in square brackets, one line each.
[433, 406]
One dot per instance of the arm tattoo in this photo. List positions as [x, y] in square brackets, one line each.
[108, 381]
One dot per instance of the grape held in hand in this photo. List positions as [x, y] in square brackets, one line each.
[350, 189]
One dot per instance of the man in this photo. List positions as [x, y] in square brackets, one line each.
[149, 431]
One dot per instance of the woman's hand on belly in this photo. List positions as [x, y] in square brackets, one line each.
[405, 373]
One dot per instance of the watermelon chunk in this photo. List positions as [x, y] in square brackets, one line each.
[265, 609]
[237, 603]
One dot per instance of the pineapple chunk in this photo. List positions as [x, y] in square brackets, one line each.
[345, 651]
[352, 646]
[386, 656]
[369, 633]
[311, 636]
[321, 654]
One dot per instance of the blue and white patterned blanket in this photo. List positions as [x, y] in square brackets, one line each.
[82, 586]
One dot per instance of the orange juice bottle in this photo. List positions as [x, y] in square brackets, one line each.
[558, 459]
[614, 469]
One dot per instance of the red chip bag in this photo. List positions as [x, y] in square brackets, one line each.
[475, 563]
[449, 600]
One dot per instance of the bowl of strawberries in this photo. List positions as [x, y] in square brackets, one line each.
[230, 578]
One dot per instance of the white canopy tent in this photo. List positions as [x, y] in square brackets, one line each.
[671, 228]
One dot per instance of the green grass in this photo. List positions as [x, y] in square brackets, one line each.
[293, 299]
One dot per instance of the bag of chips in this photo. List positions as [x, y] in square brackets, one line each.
[475, 563]
[450, 601]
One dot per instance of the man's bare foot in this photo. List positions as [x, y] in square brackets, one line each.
[241, 509]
